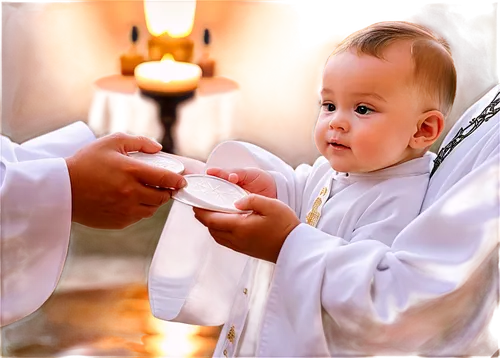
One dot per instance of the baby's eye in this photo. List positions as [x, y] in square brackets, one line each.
[363, 110]
[330, 107]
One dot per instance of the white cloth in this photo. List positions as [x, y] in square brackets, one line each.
[35, 217]
[433, 292]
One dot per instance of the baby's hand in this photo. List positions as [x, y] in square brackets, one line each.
[253, 180]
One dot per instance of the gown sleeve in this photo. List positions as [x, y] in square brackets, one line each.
[35, 217]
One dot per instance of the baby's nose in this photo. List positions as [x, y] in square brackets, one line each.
[339, 122]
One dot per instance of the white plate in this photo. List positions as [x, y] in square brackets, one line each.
[211, 193]
[159, 159]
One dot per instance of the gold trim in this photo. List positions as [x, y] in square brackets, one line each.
[231, 335]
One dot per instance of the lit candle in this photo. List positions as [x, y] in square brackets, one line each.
[167, 76]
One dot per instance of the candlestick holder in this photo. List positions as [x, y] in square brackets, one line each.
[168, 104]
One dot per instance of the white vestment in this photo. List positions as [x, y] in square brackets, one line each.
[432, 292]
[35, 218]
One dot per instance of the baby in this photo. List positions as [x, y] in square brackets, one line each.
[386, 91]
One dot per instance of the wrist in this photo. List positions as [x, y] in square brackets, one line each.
[288, 229]
[69, 164]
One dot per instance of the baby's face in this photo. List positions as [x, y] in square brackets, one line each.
[369, 110]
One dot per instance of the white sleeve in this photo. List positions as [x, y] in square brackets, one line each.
[35, 217]
[433, 291]
[290, 184]
[60, 143]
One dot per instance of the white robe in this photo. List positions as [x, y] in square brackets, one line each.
[35, 218]
[432, 292]
[368, 206]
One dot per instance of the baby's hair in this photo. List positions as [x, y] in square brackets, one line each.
[434, 70]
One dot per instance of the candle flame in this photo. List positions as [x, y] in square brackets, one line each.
[174, 18]
[168, 57]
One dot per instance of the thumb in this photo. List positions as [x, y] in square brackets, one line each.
[257, 203]
[140, 144]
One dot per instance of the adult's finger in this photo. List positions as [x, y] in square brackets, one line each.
[153, 196]
[217, 221]
[160, 177]
[128, 143]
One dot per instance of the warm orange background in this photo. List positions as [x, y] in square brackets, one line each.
[53, 51]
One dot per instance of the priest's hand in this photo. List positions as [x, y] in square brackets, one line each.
[111, 190]
[253, 180]
[260, 234]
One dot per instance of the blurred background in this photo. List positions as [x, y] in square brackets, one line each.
[55, 56]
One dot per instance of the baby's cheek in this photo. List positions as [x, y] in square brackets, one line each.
[370, 146]
[374, 153]
[319, 131]
[320, 142]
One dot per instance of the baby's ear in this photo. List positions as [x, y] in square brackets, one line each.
[429, 128]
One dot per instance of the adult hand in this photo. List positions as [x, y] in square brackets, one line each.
[253, 180]
[111, 190]
[260, 234]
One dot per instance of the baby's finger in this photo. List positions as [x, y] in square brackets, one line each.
[218, 172]
[233, 178]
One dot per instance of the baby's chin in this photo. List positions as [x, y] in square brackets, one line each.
[349, 168]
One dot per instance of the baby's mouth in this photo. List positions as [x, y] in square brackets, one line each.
[338, 145]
